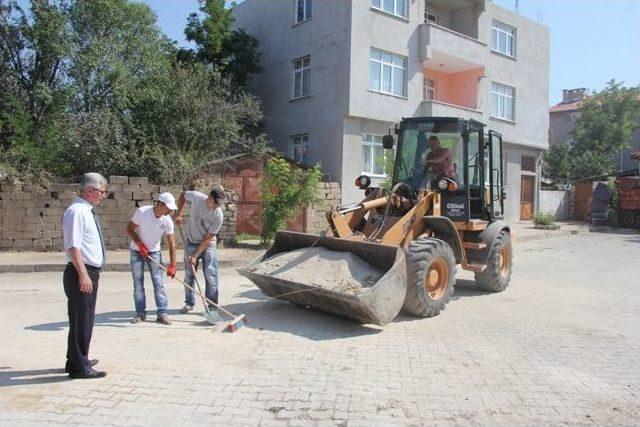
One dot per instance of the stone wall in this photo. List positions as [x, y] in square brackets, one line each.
[31, 216]
[331, 195]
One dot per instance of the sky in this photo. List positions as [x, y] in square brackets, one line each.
[592, 41]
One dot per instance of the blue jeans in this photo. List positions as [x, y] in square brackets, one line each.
[157, 278]
[208, 262]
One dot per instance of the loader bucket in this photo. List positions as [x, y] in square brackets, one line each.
[378, 304]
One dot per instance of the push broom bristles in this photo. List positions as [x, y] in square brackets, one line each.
[237, 323]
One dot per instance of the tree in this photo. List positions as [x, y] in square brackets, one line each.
[189, 113]
[117, 48]
[234, 52]
[607, 120]
[33, 97]
[558, 162]
[94, 85]
[284, 190]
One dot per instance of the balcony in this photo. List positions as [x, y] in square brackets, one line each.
[437, 41]
[442, 109]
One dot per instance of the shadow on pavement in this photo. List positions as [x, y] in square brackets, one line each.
[281, 316]
[264, 313]
[10, 378]
[114, 319]
[467, 288]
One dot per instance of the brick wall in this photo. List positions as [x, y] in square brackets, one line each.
[331, 195]
[31, 216]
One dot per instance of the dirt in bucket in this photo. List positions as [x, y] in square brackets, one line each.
[342, 272]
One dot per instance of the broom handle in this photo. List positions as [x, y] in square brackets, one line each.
[195, 276]
[184, 244]
[228, 313]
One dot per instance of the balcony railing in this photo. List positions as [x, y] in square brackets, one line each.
[442, 109]
[435, 38]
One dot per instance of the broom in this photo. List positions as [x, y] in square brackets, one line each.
[236, 323]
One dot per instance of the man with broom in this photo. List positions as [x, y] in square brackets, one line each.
[203, 226]
[146, 228]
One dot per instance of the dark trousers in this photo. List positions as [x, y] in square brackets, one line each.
[81, 308]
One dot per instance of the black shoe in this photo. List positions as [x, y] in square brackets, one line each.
[91, 373]
[67, 368]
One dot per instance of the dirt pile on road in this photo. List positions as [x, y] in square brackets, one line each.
[320, 267]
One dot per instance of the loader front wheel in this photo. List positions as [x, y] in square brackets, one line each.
[496, 276]
[431, 274]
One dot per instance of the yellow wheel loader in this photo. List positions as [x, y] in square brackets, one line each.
[444, 206]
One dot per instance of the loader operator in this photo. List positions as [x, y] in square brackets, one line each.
[439, 160]
[205, 221]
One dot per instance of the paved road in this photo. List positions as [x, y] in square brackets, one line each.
[561, 345]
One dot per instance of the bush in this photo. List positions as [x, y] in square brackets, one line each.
[284, 190]
[543, 219]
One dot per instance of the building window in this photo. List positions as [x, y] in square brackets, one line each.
[303, 10]
[528, 163]
[298, 145]
[394, 7]
[503, 38]
[302, 77]
[373, 155]
[431, 17]
[502, 101]
[387, 73]
[429, 89]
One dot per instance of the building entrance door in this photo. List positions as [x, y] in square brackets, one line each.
[527, 186]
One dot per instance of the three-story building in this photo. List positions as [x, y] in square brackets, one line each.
[339, 73]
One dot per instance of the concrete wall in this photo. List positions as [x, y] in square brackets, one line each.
[556, 203]
[528, 73]
[325, 38]
[31, 216]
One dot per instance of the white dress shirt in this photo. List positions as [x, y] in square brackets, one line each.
[81, 231]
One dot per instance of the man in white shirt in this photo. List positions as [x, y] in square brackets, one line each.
[146, 228]
[205, 221]
[84, 246]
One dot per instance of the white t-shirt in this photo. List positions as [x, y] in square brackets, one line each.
[150, 229]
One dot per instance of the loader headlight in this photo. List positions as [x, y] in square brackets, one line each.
[443, 184]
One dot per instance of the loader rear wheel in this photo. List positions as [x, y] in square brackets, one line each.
[431, 274]
[495, 278]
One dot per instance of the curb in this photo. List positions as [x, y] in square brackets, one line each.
[39, 268]
[542, 234]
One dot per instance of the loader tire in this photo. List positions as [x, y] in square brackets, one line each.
[495, 278]
[431, 274]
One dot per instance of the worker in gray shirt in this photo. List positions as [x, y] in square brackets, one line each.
[203, 226]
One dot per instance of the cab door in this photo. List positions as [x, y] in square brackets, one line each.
[496, 176]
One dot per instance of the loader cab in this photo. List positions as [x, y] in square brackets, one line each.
[455, 158]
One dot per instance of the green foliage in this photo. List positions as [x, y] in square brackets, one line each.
[284, 190]
[116, 48]
[612, 212]
[242, 237]
[234, 52]
[607, 121]
[388, 164]
[543, 219]
[94, 85]
[557, 162]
